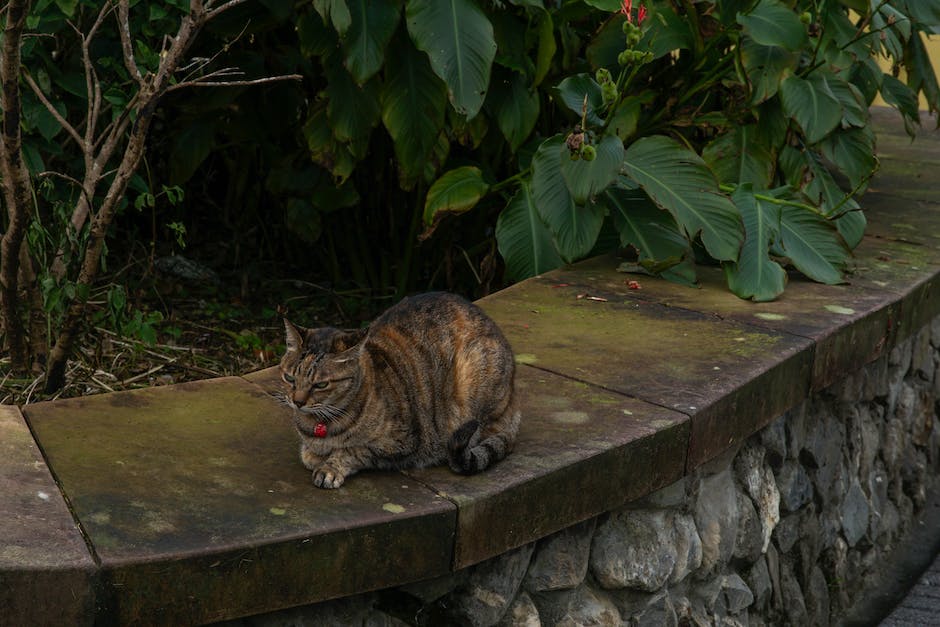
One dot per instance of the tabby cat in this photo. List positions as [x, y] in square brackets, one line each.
[430, 380]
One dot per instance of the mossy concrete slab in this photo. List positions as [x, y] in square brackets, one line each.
[198, 508]
[46, 570]
[581, 451]
[850, 324]
[731, 378]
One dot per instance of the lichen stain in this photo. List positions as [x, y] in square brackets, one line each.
[570, 417]
[526, 358]
[393, 508]
[278, 511]
[770, 316]
[839, 309]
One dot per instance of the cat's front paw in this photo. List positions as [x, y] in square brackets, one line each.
[328, 477]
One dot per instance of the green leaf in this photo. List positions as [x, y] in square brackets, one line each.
[666, 31]
[927, 12]
[572, 92]
[190, 148]
[812, 244]
[413, 102]
[650, 230]
[67, 6]
[604, 5]
[516, 108]
[456, 191]
[336, 12]
[901, 96]
[315, 37]
[772, 23]
[353, 111]
[524, 242]
[854, 107]
[920, 72]
[606, 44]
[585, 179]
[739, 157]
[458, 39]
[574, 228]
[756, 276]
[546, 50]
[372, 27]
[767, 67]
[853, 152]
[811, 104]
[679, 181]
[512, 53]
[303, 220]
[867, 77]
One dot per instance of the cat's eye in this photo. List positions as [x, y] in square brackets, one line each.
[322, 385]
[288, 378]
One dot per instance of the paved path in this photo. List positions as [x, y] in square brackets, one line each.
[921, 606]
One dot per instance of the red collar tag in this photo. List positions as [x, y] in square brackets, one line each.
[319, 431]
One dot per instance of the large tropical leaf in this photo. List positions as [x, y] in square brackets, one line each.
[574, 228]
[772, 23]
[372, 27]
[413, 101]
[920, 72]
[515, 107]
[766, 68]
[456, 191]
[650, 230]
[351, 125]
[458, 39]
[812, 244]
[679, 181]
[739, 156]
[524, 242]
[896, 93]
[755, 275]
[853, 152]
[579, 91]
[336, 12]
[925, 11]
[588, 178]
[812, 105]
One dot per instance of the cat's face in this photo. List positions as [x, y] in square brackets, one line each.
[319, 370]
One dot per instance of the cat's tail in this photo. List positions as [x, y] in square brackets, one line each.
[473, 449]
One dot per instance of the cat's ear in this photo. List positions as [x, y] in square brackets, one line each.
[294, 336]
[347, 339]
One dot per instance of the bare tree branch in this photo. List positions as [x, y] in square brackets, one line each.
[204, 82]
[14, 177]
[124, 27]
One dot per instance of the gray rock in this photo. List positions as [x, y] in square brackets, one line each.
[892, 443]
[870, 436]
[737, 594]
[774, 439]
[796, 489]
[522, 613]
[582, 606]
[716, 516]
[922, 364]
[876, 379]
[878, 496]
[787, 532]
[658, 612]
[817, 598]
[561, 560]
[935, 332]
[749, 543]
[794, 605]
[491, 587]
[795, 422]
[855, 514]
[823, 455]
[707, 595]
[758, 581]
[673, 495]
[634, 549]
[688, 547]
[758, 480]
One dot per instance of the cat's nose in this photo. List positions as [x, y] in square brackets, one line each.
[300, 401]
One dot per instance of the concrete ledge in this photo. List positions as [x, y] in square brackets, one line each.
[187, 504]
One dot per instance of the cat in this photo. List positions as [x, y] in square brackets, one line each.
[431, 380]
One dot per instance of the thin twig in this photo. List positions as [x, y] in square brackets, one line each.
[124, 27]
[257, 81]
[52, 110]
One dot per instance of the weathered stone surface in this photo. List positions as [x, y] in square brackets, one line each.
[522, 613]
[758, 581]
[209, 472]
[855, 514]
[46, 571]
[794, 605]
[737, 594]
[758, 479]
[490, 589]
[716, 517]
[659, 611]
[581, 606]
[816, 597]
[673, 495]
[634, 549]
[688, 548]
[572, 435]
[561, 560]
[796, 489]
[787, 532]
[749, 540]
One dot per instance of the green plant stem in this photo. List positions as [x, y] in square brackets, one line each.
[692, 14]
[730, 189]
[512, 180]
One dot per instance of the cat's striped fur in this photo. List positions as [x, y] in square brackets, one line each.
[430, 380]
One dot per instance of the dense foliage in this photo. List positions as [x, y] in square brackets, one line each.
[693, 129]
[453, 142]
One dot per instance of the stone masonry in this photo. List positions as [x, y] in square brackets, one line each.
[789, 528]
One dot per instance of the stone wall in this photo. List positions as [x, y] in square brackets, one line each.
[793, 527]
